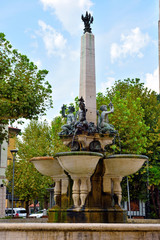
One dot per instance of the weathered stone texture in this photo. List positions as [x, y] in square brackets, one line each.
[79, 231]
[87, 76]
[2, 201]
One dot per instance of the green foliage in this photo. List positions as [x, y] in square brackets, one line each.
[36, 141]
[128, 117]
[154, 174]
[24, 92]
[57, 143]
[137, 119]
[76, 104]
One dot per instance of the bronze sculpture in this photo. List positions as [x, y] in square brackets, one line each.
[81, 124]
[88, 19]
[67, 129]
[103, 121]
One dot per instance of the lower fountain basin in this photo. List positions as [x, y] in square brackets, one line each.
[123, 164]
[79, 163]
[48, 166]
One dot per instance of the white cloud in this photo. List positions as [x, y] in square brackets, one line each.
[26, 122]
[131, 45]
[68, 12]
[21, 126]
[110, 82]
[152, 80]
[54, 41]
[38, 63]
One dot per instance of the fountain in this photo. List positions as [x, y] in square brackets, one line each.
[87, 180]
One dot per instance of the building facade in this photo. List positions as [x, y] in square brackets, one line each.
[5, 159]
[3, 165]
[12, 134]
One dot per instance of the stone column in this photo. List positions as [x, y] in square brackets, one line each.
[83, 190]
[76, 192]
[117, 188]
[87, 76]
[57, 192]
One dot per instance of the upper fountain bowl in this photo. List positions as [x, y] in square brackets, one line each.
[79, 163]
[123, 164]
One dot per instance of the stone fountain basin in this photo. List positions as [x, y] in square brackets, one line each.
[123, 164]
[79, 163]
[48, 166]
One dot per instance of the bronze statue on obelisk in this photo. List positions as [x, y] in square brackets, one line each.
[88, 19]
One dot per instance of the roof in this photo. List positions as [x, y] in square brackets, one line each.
[12, 129]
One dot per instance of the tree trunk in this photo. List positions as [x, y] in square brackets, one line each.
[158, 201]
[153, 199]
[27, 207]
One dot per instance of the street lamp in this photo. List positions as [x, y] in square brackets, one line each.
[13, 152]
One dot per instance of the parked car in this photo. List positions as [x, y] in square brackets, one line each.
[38, 214]
[17, 212]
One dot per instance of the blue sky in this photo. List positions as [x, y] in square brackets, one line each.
[49, 32]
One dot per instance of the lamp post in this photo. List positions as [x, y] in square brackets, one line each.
[13, 152]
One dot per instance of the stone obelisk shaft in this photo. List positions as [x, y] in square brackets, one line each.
[87, 88]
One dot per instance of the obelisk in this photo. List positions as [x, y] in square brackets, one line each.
[87, 88]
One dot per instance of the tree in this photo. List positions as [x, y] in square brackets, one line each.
[36, 140]
[137, 119]
[128, 119]
[24, 92]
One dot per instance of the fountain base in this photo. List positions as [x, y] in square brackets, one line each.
[98, 206]
[87, 215]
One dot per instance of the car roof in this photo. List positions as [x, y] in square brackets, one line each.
[15, 209]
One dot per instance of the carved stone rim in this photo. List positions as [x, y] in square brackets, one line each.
[78, 153]
[86, 134]
[42, 158]
[127, 156]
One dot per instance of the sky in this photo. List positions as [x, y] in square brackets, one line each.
[49, 33]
